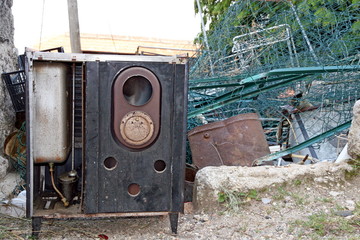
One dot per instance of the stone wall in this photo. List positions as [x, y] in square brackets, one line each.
[8, 63]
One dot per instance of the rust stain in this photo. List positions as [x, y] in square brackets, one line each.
[40, 160]
[55, 159]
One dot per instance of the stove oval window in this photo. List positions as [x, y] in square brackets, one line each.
[137, 90]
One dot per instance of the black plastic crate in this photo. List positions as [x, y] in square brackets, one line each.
[15, 84]
[21, 62]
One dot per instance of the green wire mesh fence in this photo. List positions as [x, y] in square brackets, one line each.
[296, 64]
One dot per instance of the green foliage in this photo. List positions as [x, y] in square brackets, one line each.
[355, 163]
[323, 224]
[317, 223]
[326, 200]
[281, 193]
[324, 17]
[297, 182]
[252, 194]
[212, 9]
[222, 197]
[233, 200]
[355, 28]
[299, 200]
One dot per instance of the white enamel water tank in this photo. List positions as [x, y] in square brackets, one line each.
[51, 119]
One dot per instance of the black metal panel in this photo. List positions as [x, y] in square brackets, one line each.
[179, 137]
[107, 190]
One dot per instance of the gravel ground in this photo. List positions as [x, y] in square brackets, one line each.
[300, 210]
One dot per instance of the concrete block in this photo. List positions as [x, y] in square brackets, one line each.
[210, 181]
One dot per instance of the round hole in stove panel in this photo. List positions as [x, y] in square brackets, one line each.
[134, 189]
[137, 90]
[110, 163]
[159, 166]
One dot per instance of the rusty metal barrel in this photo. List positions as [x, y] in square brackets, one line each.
[236, 141]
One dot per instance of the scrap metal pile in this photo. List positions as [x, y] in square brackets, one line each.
[295, 64]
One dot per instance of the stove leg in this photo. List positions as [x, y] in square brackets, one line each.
[174, 217]
[36, 226]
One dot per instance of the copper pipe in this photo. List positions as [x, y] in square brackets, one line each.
[63, 199]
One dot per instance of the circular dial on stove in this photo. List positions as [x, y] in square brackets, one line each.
[136, 128]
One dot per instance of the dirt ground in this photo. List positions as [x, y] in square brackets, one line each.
[302, 209]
